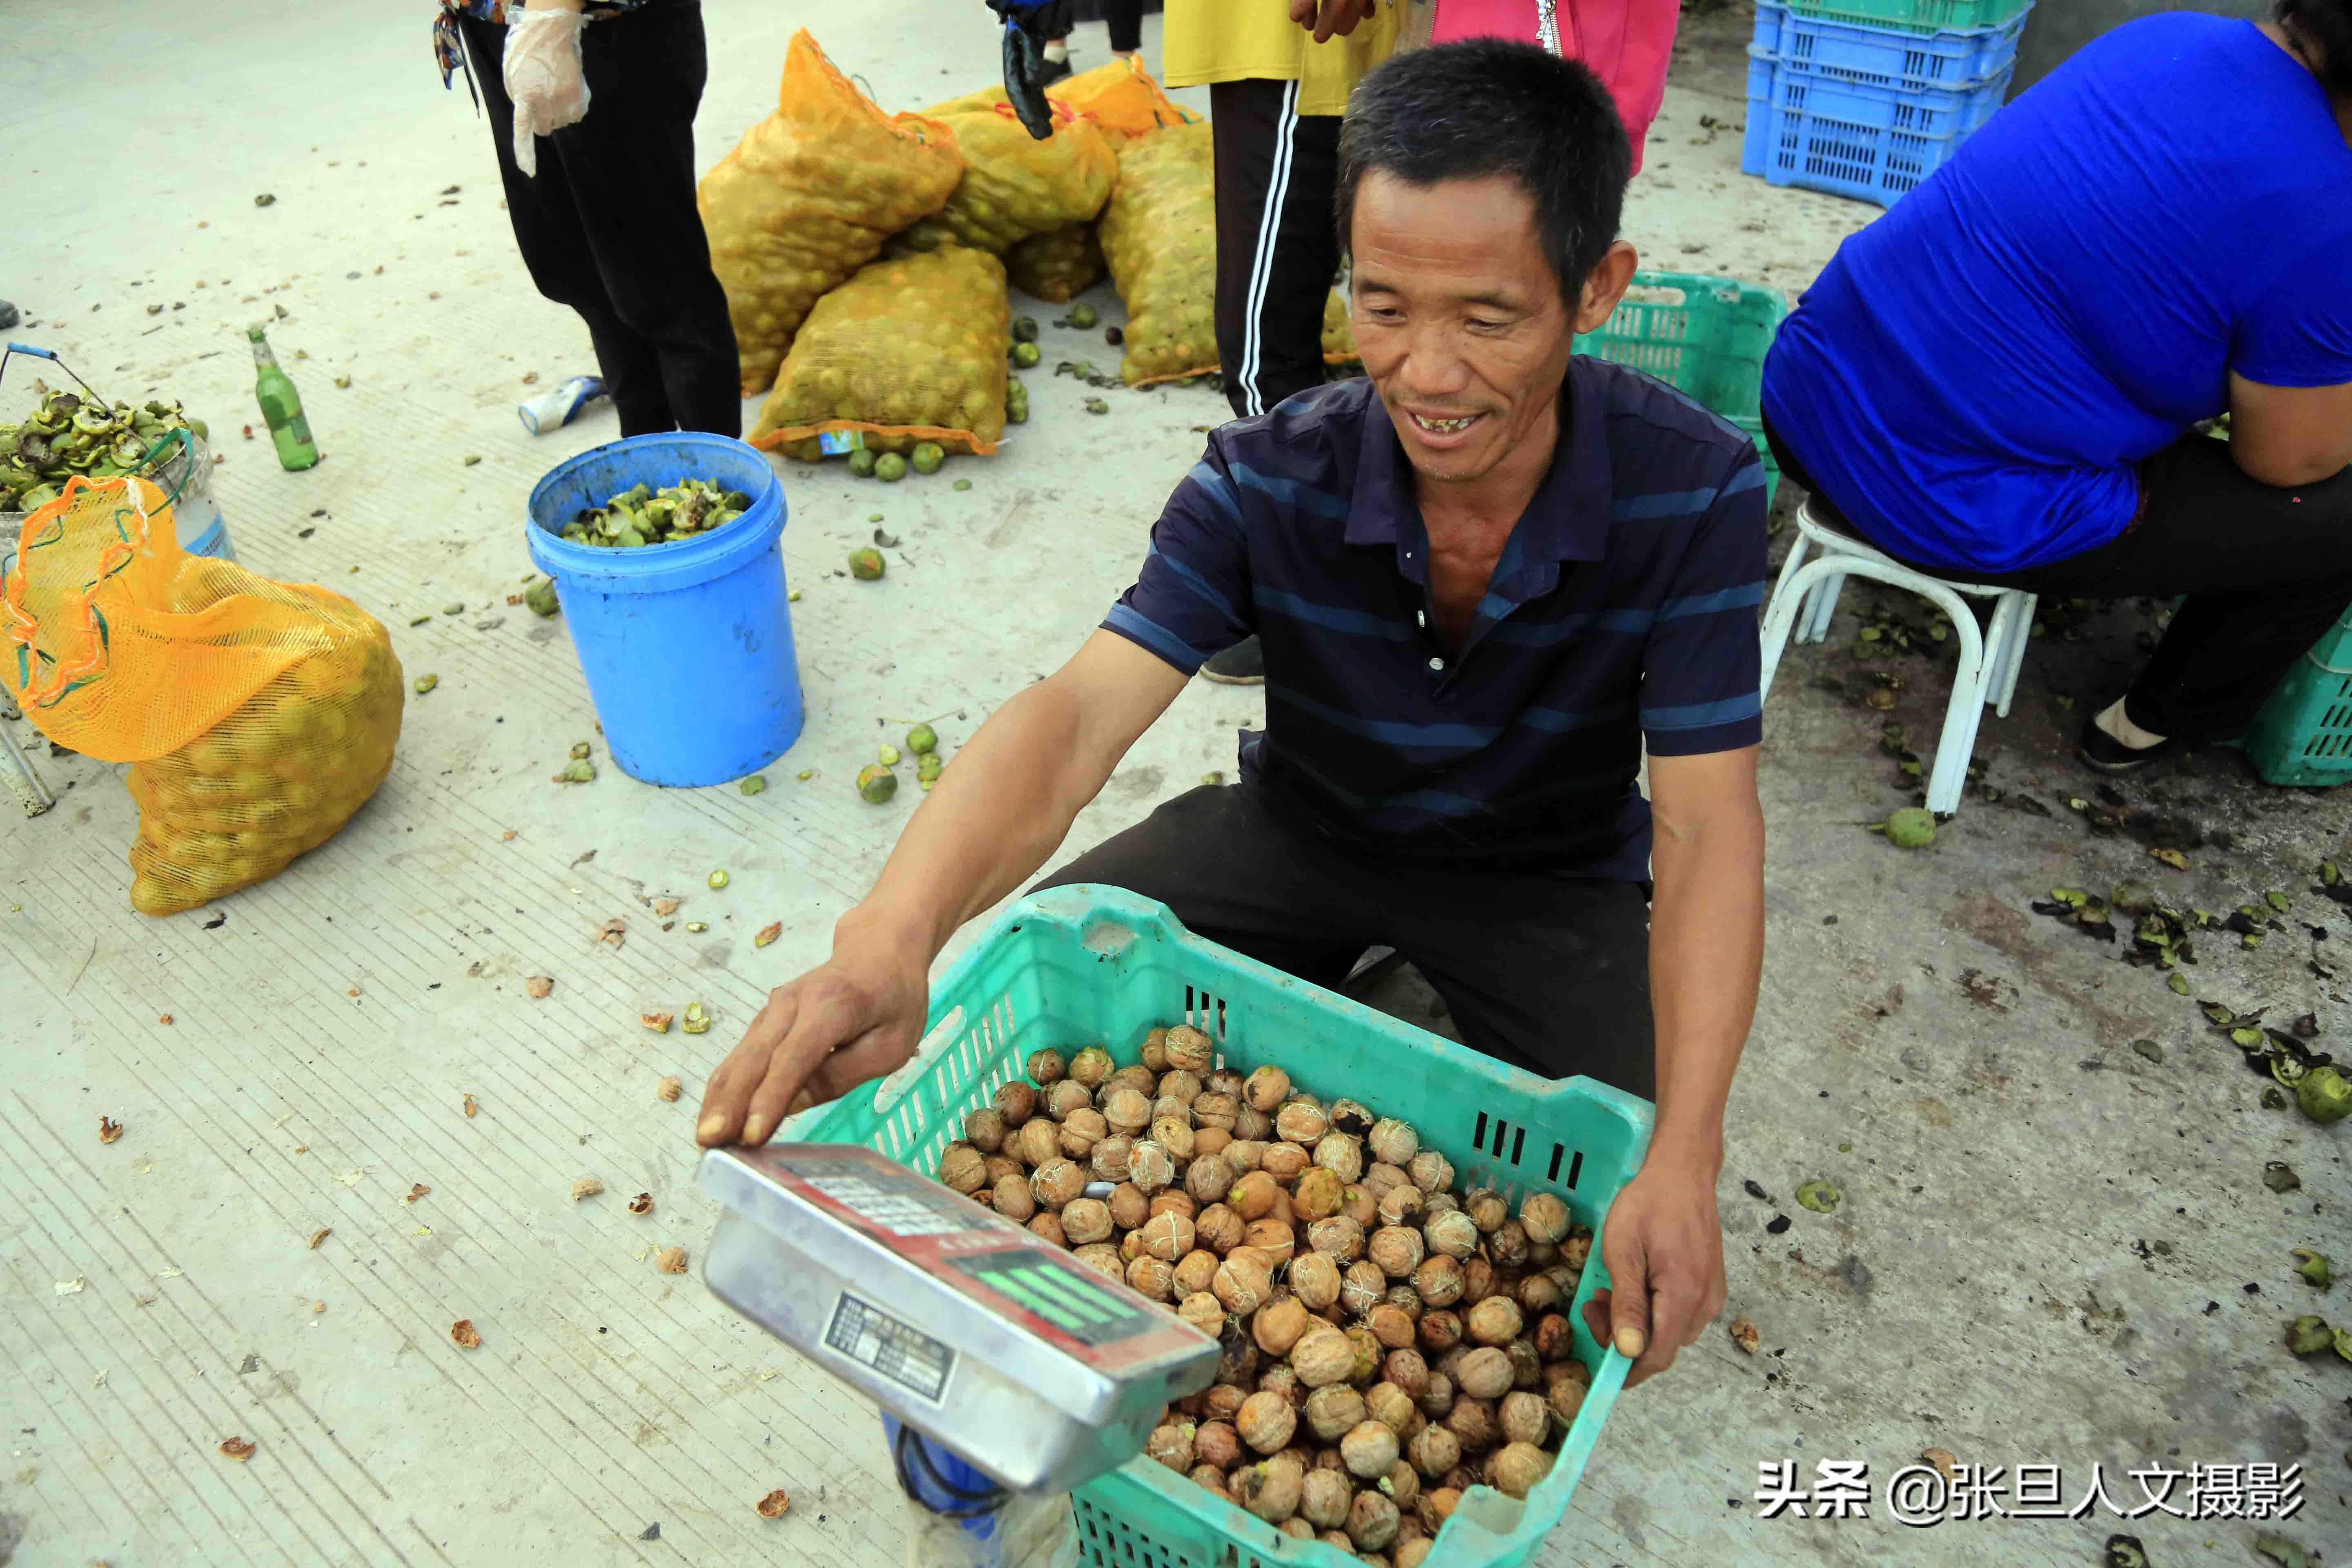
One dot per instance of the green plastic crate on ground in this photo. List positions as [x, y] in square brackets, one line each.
[1086, 965]
[2303, 733]
[1913, 15]
[1706, 336]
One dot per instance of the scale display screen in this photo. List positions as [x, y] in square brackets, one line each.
[1067, 1296]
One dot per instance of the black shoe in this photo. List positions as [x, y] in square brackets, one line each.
[2102, 752]
[1244, 664]
[1051, 71]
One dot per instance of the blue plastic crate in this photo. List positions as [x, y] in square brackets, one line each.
[1849, 139]
[1950, 60]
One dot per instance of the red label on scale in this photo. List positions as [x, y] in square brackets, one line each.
[1019, 1275]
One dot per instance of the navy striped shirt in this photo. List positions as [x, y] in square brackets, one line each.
[1622, 610]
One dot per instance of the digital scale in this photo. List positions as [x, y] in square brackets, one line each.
[1008, 1373]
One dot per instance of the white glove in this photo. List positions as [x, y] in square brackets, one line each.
[543, 77]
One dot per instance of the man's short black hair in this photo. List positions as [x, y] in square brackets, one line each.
[1485, 106]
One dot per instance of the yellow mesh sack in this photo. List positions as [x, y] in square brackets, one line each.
[808, 197]
[1160, 236]
[911, 348]
[257, 716]
[1056, 265]
[1015, 185]
[1338, 332]
[1122, 99]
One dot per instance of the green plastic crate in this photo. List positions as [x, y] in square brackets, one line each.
[1706, 336]
[1913, 15]
[2303, 733]
[1074, 966]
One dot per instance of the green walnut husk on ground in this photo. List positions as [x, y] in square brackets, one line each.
[927, 766]
[540, 597]
[718, 878]
[2323, 1095]
[867, 564]
[921, 739]
[1083, 316]
[861, 462]
[877, 783]
[889, 468]
[756, 784]
[927, 457]
[1025, 329]
[1025, 356]
[425, 683]
[1913, 828]
[68, 433]
[2308, 1335]
[642, 515]
[887, 755]
[2280, 1177]
[580, 748]
[580, 770]
[1819, 1196]
[1017, 402]
[2315, 1267]
[697, 1020]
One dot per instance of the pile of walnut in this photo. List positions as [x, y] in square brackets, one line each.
[1387, 1344]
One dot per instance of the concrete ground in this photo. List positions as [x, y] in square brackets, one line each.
[2052, 1249]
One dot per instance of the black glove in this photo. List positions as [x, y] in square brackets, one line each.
[1028, 24]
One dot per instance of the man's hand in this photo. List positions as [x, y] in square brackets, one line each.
[1329, 18]
[855, 1017]
[1663, 1243]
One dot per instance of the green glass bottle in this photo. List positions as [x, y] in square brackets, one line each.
[281, 406]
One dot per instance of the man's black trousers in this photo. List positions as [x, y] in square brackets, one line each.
[1547, 974]
[1278, 247]
[608, 226]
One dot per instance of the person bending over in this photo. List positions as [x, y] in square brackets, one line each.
[1485, 574]
[1998, 380]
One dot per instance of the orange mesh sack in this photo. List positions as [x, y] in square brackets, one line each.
[257, 716]
[1056, 265]
[911, 348]
[1120, 98]
[1015, 185]
[808, 197]
[1160, 236]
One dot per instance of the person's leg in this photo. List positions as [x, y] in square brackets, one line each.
[1550, 975]
[629, 167]
[1124, 20]
[2266, 570]
[1233, 871]
[1276, 248]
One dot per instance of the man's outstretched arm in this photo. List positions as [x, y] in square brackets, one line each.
[1005, 803]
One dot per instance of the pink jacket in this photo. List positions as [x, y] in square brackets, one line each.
[1627, 43]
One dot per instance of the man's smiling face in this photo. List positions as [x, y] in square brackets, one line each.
[1459, 319]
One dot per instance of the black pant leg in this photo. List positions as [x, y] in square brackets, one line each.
[2267, 570]
[1233, 871]
[1546, 974]
[1125, 19]
[629, 166]
[1278, 247]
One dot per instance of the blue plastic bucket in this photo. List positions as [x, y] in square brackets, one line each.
[687, 646]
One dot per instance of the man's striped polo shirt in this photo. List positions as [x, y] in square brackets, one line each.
[1622, 610]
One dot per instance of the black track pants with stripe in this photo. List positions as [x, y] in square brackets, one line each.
[1278, 247]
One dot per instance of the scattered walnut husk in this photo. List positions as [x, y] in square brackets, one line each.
[1944, 1460]
[768, 933]
[472, 1104]
[665, 907]
[613, 932]
[1745, 1336]
[586, 1187]
[642, 1203]
[658, 1023]
[773, 1505]
[668, 1088]
[670, 1260]
[237, 1449]
[540, 987]
[465, 1335]
[108, 1130]
[416, 1191]
[319, 1236]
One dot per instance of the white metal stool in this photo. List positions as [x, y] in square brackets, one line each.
[1806, 596]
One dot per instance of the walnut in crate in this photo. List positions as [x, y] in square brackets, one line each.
[1389, 1338]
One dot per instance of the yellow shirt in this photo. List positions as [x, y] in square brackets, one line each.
[1203, 41]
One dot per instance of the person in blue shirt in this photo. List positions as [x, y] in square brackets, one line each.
[1485, 575]
[1998, 381]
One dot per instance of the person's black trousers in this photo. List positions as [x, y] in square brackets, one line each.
[608, 226]
[1277, 245]
[1547, 974]
[2266, 570]
[1124, 20]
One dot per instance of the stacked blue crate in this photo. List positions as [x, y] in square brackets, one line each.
[1868, 110]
